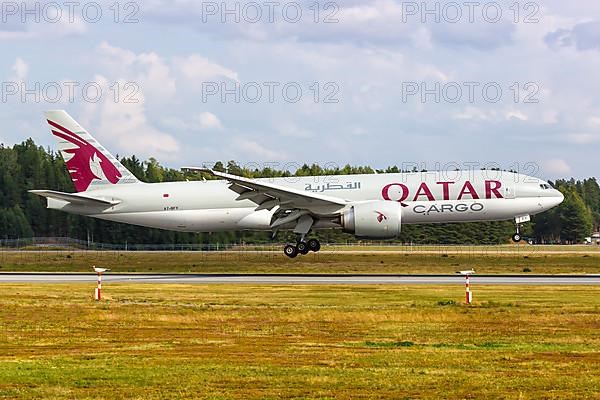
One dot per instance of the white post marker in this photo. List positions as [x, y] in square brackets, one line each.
[98, 293]
[468, 294]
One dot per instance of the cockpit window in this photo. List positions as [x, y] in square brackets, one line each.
[545, 186]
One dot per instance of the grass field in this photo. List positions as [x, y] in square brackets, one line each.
[425, 259]
[342, 342]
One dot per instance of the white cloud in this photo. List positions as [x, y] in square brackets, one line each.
[48, 22]
[556, 166]
[63, 27]
[16, 35]
[150, 72]
[582, 36]
[252, 151]
[583, 137]
[197, 69]
[208, 120]
[383, 23]
[516, 114]
[471, 113]
[358, 131]
[203, 121]
[126, 126]
[160, 78]
[369, 54]
[594, 122]
[116, 56]
[20, 69]
[549, 116]
[292, 130]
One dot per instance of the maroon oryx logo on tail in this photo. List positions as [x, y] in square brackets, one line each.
[380, 216]
[83, 165]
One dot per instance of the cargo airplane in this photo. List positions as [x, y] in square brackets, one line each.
[368, 206]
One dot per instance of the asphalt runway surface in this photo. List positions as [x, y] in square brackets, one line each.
[305, 279]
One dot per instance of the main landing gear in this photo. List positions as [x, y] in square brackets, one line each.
[303, 226]
[302, 247]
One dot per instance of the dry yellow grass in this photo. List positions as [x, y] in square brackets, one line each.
[343, 342]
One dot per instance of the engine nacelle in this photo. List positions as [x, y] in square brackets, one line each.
[373, 220]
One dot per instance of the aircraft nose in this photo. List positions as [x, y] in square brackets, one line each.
[551, 199]
[557, 197]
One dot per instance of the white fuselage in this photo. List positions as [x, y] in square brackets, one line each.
[426, 197]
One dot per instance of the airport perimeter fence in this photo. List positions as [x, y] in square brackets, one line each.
[66, 246]
[67, 243]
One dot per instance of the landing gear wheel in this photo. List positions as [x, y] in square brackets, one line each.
[302, 248]
[314, 245]
[516, 238]
[290, 250]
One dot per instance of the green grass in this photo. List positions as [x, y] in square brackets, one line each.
[500, 260]
[255, 342]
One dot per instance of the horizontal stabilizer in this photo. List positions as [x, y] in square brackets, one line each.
[75, 198]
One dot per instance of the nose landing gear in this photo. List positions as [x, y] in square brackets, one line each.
[518, 221]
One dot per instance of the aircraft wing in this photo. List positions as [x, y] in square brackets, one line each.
[75, 198]
[268, 195]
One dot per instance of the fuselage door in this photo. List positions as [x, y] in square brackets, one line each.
[509, 190]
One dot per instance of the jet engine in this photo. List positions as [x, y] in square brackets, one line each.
[373, 220]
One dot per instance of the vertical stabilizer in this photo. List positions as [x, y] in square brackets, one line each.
[90, 165]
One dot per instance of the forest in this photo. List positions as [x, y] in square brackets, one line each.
[27, 166]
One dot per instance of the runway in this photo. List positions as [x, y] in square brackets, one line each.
[290, 279]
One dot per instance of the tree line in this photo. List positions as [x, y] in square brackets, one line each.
[27, 166]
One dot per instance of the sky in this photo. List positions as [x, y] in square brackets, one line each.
[434, 85]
